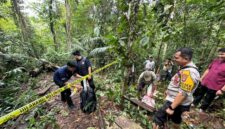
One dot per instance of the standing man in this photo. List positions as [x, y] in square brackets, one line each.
[212, 81]
[84, 68]
[179, 94]
[61, 76]
[150, 64]
[168, 67]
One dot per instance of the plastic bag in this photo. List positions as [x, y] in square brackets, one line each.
[147, 99]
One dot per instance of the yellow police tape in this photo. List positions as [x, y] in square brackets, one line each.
[47, 97]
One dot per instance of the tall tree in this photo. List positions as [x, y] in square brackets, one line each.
[23, 25]
[52, 24]
[68, 24]
[129, 26]
[20, 20]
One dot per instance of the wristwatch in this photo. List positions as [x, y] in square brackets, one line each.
[170, 108]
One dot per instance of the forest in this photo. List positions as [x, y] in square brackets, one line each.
[37, 37]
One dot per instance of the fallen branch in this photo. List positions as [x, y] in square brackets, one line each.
[45, 66]
[140, 104]
[43, 92]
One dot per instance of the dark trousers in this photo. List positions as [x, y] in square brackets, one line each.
[141, 86]
[161, 117]
[140, 90]
[65, 97]
[168, 76]
[131, 79]
[91, 83]
[206, 94]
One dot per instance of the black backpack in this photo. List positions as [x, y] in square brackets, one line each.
[88, 99]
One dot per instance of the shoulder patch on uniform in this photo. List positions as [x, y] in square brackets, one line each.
[187, 83]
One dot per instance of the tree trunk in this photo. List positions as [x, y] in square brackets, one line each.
[51, 25]
[21, 21]
[131, 20]
[164, 51]
[144, 10]
[158, 56]
[68, 25]
[26, 32]
[185, 23]
[215, 47]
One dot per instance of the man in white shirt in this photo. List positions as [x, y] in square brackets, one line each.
[150, 64]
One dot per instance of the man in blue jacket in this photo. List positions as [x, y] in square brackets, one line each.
[61, 76]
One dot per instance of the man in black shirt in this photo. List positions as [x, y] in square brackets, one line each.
[83, 68]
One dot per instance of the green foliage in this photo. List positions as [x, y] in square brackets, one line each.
[26, 97]
[104, 30]
[57, 57]
[40, 118]
[110, 117]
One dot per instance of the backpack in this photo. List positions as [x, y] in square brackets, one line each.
[88, 99]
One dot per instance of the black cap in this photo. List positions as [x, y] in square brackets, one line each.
[76, 53]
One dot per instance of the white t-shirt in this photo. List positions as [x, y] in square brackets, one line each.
[149, 65]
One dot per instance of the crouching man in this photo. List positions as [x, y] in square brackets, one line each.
[61, 76]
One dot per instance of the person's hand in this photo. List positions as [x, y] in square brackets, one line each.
[200, 80]
[89, 77]
[79, 76]
[66, 83]
[219, 92]
[78, 87]
[165, 93]
[151, 95]
[169, 111]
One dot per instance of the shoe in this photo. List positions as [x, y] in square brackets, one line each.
[63, 99]
[217, 97]
[201, 110]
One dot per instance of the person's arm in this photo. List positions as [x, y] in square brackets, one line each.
[221, 91]
[204, 74]
[78, 75]
[89, 70]
[88, 64]
[206, 71]
[140, 77]
[154, 83]
[178, 100]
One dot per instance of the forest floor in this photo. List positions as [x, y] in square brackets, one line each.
[76, 119]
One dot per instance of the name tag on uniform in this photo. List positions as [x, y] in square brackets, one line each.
[187, 83]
